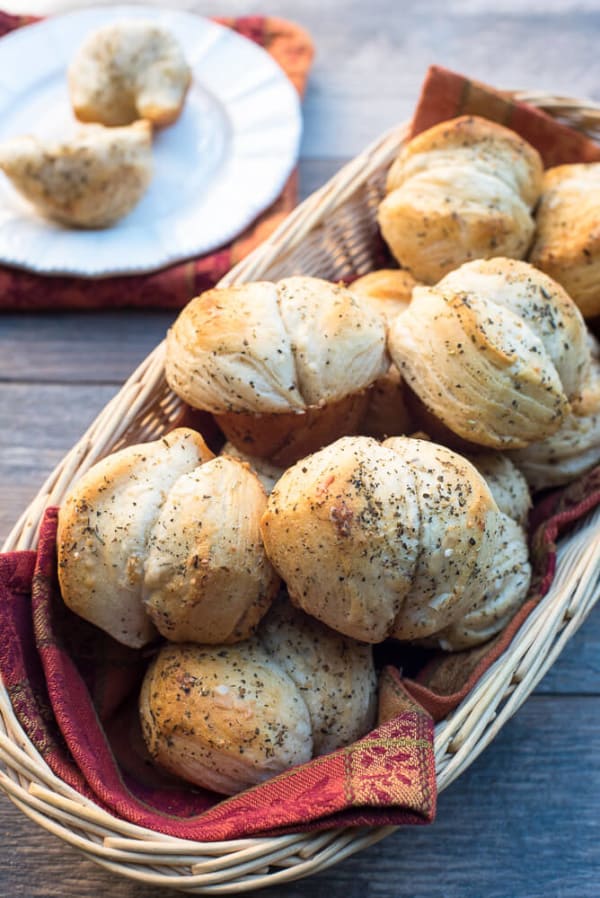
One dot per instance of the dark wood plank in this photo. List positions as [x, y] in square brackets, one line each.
[74, 347]
[38, 425]
[371, 58]
[522, 822]
[315, 172]
[40, 417]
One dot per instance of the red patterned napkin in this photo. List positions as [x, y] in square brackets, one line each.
[169, 288]
[74, 690]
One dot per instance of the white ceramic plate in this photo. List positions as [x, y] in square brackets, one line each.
[224, 161]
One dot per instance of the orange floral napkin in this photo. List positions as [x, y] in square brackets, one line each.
[446, 94]
[169, 288]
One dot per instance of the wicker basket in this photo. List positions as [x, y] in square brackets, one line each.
[330, 235]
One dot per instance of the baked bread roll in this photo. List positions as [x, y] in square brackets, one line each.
[267, 473]
[574, 449]
[425, 422]
[540, 303]
[496, 351]
[88, 181]
[104, 525]
[223, 717]
[511, 573]
[229, 717]
[387, 292]
[335, 675]
[507, 484]
[129, 70]
[567, 240]
[505, 592]
[284, 367]
[387, 413]
[501, 571]
[206, 576]
[461, 190]
[383, 540]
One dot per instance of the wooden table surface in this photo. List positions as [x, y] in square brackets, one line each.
[522, 822]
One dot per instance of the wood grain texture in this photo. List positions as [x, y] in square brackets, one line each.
[492, 839]
[38, 425]
[522, 821]
[96, 347]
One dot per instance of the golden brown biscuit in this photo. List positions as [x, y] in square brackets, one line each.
[505, 481]
[284, 366]
[498, 574]
[335, 675]
[104, 525]
[507, 484]
[383, 540]
[129, 70]
[88, 181]
[206, 576]
[567, 240]
[461, 190]
[223, 717]
[574, 449]
[267, 473]
[387, 413]
[504, 594]
[229, 717]
[496, 351]
[387, 292]
[542, 305]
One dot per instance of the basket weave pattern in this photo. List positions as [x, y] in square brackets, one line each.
[332, 235]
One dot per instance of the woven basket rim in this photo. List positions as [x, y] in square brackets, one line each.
[245, 864]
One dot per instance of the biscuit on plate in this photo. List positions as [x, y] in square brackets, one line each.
[129, 70]
[90, 180]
